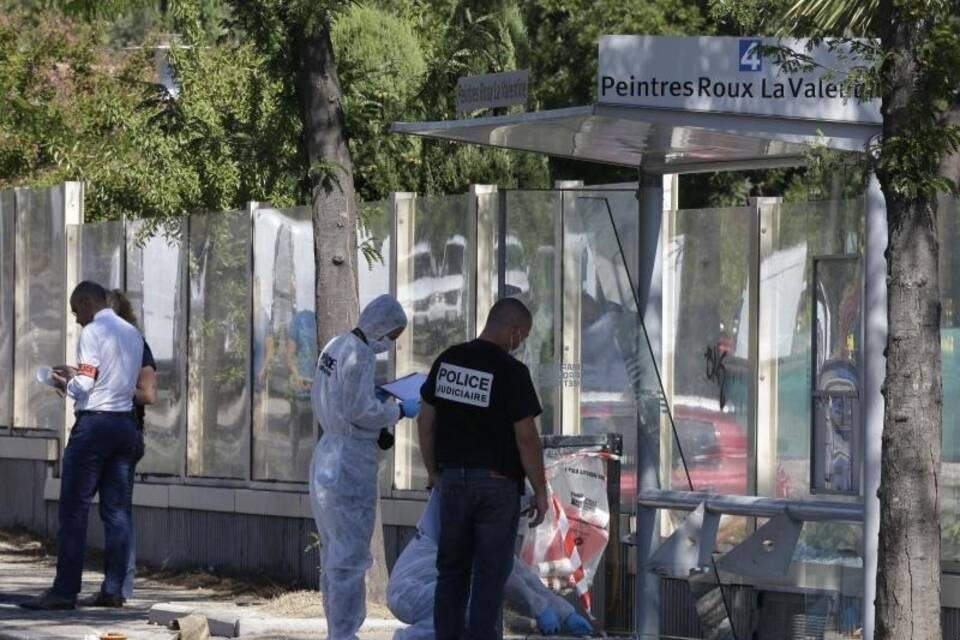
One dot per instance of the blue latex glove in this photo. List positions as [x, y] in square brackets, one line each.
[410, 407]
[548, 623]
[578, 625]
[382, 395]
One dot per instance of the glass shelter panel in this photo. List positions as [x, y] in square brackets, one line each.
[435, 239]
[100, 252]
[603, 348]
[618, 388]
[156, 286]
[742, 283]
[532, 260]
[373, 259]
[218, 437]
[284, 343]
[836, 437]
[793, 237]
[7, 243]
[948, 222]
[41, 304]
[373, 264]
[706, 342]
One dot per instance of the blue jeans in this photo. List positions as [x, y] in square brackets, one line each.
[99, 457]
[127, 590]
[479, 513]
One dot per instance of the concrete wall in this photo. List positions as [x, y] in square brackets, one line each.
[21, 499]
[172, 538]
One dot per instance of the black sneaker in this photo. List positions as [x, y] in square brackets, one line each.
[48, 601]
[101, 599]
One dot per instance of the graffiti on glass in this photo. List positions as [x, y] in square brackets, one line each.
[717, 371]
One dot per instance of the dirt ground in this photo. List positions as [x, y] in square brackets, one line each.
[289, 600]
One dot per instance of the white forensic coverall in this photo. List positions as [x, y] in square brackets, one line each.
[343, 470]
[412, 582]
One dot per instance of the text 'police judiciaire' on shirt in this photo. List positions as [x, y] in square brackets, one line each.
[460, 384]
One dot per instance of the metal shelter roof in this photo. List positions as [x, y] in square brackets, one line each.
[654, 139]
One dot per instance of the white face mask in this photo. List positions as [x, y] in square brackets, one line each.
[515, 349]
[382, 345]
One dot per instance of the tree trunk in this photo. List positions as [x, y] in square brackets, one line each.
[908, 565]
[334, 218]
[908, 569]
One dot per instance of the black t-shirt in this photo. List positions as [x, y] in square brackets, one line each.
[479, 391]
[147, 361]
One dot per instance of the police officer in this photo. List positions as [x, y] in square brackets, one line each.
[478, 440]
[101, 452]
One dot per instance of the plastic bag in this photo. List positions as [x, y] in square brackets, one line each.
[565, 551]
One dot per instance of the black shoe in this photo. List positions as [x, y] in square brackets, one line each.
[48, 601]
[101, 600]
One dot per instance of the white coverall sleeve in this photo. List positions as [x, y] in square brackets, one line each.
[365, 410]
[88, 362]
[528, 595]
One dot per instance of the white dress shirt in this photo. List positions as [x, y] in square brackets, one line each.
[109, 356]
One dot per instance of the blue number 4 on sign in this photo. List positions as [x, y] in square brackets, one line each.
[750, 55]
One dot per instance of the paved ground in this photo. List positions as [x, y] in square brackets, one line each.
[25, 570]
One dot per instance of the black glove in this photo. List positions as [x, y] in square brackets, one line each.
[385, 441]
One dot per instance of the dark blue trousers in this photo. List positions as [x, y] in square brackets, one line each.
[99, 457]
[128, 578]
[479, 515]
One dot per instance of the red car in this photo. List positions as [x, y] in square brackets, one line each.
[714, 447]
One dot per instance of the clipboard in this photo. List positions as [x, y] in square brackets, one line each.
[406, 387]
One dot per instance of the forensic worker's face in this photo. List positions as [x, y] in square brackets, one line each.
[387, 342]
[82, 309]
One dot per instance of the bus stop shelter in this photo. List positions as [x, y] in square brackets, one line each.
[666, 106]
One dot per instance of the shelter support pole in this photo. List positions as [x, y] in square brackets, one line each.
[657, 193]
[875, 341]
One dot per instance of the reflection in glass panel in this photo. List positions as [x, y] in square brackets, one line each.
[828, 562]
[837, 439]
[41, 304]
[284, 344]
[798, 233]
[156, 286]
[7, 213]
[218, 376]
[373, 264]
[706, 347]
[100, 252]
[532, 274]
[435, 289]
[373, 261]
[600, 241]
[948, 223]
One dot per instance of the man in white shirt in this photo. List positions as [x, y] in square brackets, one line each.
[100, 451]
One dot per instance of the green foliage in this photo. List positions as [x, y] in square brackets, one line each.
[919, 132]
[83, 112]
[381, 66]
[824, 17]
[747, 17]
[561, 52]
[477, 37]
[564, 36]
[234, 134]
[921, 136]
